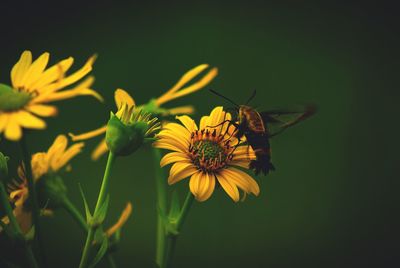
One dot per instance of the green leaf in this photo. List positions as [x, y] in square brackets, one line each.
[169, 225]
[100, 254]
[101, 213]
[87, 210]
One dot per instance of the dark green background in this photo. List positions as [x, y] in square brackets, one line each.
[333, 200]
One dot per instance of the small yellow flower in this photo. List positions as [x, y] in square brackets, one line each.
[52, 161]
[154, 106]
[33, 87]
[207, 155]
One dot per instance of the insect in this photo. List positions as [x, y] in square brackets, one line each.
[257, 128]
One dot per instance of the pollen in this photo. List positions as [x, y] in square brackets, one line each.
[209, 152]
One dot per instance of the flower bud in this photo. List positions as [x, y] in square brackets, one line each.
[125, 135]
[51, 191]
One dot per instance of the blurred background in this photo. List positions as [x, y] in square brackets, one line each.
[333, 199]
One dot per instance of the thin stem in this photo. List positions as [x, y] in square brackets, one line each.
[75, 214]
[111, 261]
[161, 186]
[102, 196]
[33, 196]
[15, 226]
[180, 221]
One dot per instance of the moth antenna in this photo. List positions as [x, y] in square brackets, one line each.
[222, 96]
[251, 97]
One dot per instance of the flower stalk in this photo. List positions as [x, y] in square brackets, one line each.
[16, 230]
[172, 237]
[93, 225]
[33, 197]
[161, 187]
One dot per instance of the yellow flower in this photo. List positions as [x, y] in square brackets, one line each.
[56, 158]
[33, 87]
[126, 112]
[153, 107]
[207, 155]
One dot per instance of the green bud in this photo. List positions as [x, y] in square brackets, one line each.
[3, 166]
[51, 191]
[124, 139]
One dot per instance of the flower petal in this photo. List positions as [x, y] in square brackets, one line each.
[229, 187]
[13, 129]
[89, 134]
[28, 120]
[180, 171]
[242, 180]
[43, 110]
[99, 150]
[173, 157]
[20, 68]
[187, 122]
[202, 185]
[35, 71]
[55, 72]
[121, 221]
[122, 97]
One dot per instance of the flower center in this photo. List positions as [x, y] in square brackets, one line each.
[11, 99]
[208, 151]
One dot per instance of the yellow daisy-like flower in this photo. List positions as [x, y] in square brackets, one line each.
[123, 98]
[33, 87]
[208, 155]
[126, 112]
[56, 158]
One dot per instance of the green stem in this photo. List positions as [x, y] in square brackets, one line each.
[102, 196]
[33, 196]
[161, 186]
[179, 223]
[111, 261]
[15, 226]
[75, 214]
[78, 217]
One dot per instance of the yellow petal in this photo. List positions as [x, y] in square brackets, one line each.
[187, 122]
[43, 110]
[28, 120]
[173, 93]
[242, 180]
[35, 71]
[67, 156]
[181, 110]
[71, 78]
[100, 150]
[168, 137]
[189, 75]
[121, 221]
[4, 117]
[55, 72]
[202, 185]
[229, 187]
[88, 135]
[180, 171]
[168, 146]
[57, 148]
[173, 157]
[198, 85]
[20, 68]
[13, 129]
[122, 97]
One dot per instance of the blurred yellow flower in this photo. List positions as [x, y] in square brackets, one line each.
[125, 102]
[207, 155]
[57, 157]
[33, 87]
